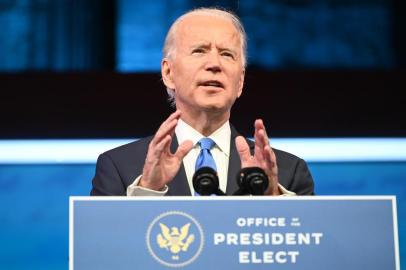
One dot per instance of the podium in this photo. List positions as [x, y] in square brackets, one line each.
[318, 232]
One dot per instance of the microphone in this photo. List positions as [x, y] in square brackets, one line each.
[206, 182]
[252, 180]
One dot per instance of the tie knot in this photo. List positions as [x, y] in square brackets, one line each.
[206, 143]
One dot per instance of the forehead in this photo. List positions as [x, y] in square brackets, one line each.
[206, 29]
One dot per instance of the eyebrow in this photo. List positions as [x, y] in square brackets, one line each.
[201, 45]
[206, 45]
[221, 49]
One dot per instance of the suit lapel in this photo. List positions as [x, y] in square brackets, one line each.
[234, 164]
[179, 186]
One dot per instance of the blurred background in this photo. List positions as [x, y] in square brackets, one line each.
[80, 77]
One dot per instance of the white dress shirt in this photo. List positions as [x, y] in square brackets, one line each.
[220, 153]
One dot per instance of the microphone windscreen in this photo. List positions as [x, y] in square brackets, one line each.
[205, 181]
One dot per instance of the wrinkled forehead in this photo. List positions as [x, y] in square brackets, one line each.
[206, 28]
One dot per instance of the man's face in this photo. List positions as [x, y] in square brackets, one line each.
[205, 70]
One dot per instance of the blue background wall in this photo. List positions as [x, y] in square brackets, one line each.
[281, 34]
[128, 34]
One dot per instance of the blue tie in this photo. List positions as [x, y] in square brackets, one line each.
[205, 159]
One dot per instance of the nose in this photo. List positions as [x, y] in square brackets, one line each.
[213, 63]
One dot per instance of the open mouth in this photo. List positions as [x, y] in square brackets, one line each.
[212, 83]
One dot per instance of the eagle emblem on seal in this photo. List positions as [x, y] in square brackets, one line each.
[173, 239]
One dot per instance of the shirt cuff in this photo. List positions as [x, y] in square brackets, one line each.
[135, 190]
[285, 192]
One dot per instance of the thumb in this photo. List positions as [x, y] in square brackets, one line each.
[183, 149]
[243, 150]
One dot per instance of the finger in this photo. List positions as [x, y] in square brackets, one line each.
[261, 130]
[271, 160]
[161, 146]
[259, 124]
[167, 147]
[258, 152]
[257, 135]
[171, 132]
[272, 173]
[183, 149]
[166, 128]
[263, 138]
[174, 115]
[243, 151]
[259, 144]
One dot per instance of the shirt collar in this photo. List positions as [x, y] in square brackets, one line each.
[221, 136]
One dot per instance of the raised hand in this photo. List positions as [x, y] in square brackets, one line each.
[263, 157]
[161, 165]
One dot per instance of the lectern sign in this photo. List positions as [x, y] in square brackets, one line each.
[234, 233]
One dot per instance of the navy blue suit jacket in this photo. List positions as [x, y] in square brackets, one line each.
[118, 168]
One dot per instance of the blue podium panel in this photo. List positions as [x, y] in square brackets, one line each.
[350, 232]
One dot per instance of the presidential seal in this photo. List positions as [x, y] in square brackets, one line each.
[175, 239]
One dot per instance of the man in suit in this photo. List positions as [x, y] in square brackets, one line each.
[203, 69]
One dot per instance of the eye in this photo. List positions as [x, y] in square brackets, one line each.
[228, 55]
[198, 51]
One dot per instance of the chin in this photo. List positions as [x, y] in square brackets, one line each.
[215, 107]
[214, 103]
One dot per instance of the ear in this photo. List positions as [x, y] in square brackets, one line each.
[167, 73]
[241, 83]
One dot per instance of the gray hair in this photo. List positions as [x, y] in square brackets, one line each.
[169, 47]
